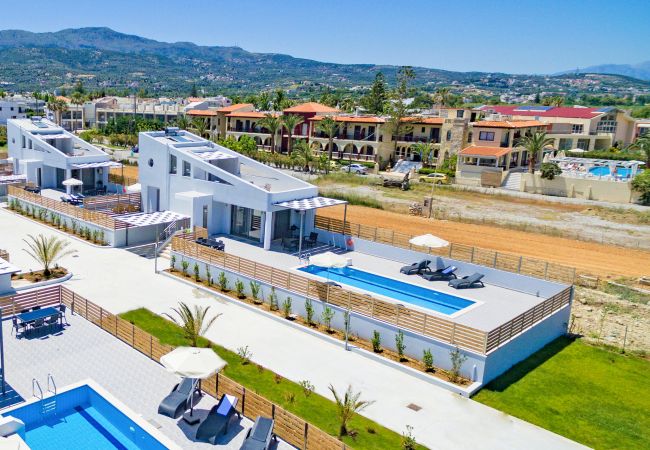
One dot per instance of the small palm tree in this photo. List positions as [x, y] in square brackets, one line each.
[272, 123]
[304, 152]
[58, 106]
[642, 144]
[442, 96]
[534, 144]
[200, 125]
[78, 99]
[192, 321]
[329, 127]
[347, 406]
[425, 150]
[182, 122]
[47, 251]
[290, 122]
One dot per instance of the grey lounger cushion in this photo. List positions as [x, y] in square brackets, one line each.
[468, 281]
[177, 402]
[216, 423]
[417, 267]
[259, 436]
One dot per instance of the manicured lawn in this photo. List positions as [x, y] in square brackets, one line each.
[314, 408]
[589, 394]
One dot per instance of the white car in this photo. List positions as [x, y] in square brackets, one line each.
[356, 168]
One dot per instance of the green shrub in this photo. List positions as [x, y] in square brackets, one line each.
[239, 289]
[427, 359]
[223, 281]
[172, 261]
[550, 170]
[184, 266]
[408, 440]
[244, 354]
[273, 300]
[197, 274]
[307, 387]
[286, 307]
[399, 344]
[309, 310]
[641, 184]
[327, 315]
[376, 342]
[255, 291]
[457, 360]
[208, 275]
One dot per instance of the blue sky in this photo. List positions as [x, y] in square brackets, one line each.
[525, 36]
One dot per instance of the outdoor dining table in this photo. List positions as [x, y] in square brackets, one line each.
[43, 313]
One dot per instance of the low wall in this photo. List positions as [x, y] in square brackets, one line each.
[587, 188]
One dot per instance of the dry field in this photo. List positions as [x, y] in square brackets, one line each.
[129, 171]
[603, 260]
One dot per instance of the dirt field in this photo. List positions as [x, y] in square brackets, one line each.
[597, 259]
[129, 171]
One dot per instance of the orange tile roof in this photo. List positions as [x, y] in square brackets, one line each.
[235, 107]
[201, 112]
[425, 120]
[61, 97]
[355, 119]
[509, 123]
[495, 152]
[253, 114]
[311, 107]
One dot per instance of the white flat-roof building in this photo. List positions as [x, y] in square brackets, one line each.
[47, 155]
[222, 190]
[12, 109]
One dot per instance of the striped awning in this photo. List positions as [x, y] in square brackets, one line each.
[154, 218]
[306, 204]
[94, 165]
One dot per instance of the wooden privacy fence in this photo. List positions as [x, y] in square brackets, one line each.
[460, 252]
[288, 426]
[4, 254]
[115, 203]
[97, 218]
[13, 304]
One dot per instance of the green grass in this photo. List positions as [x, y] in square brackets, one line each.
[589, 394]
[315, 409]
[354, 199]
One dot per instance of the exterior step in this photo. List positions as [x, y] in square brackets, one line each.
[512, 181]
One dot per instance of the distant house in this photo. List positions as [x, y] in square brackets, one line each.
[12, 109]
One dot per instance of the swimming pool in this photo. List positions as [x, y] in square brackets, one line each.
[602, 171]
[85, 419]
[395, 289]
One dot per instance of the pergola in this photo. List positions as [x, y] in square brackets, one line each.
[308, 204]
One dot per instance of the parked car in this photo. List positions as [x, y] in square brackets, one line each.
[437, 178]
[356, 168]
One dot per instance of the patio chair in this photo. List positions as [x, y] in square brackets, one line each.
[201, 241]
[218, 419]
[468, 281]
[445, 274]
[18, 325]
[417, 268]
[38, 324]
[310, 241]
[289, 244]
[63, 309]
[23, 311]
[178, 400]
[52, 320]
[36, 308]
[259, 435]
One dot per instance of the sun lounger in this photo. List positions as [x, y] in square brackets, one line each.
[416, 268]
[260, 435]
[441, 274]
[469, 281]
[216, 423]
[178, 401]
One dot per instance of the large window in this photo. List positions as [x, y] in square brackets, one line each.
[187, 169]
[460, 113]
[172, 164]
[486, 136]
[577, 128]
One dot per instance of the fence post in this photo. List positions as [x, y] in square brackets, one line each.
[494, 263]
[150, 346]
[546, 271]
[243, 401]
[132, 335]
[305, 435]
[451, 246]
[101, 315]
[519, 267]
[471, 259]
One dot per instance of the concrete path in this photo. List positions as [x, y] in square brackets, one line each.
[119, 281]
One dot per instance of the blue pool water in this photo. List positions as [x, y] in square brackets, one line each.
[83, 420]
[602, 171]
[395, 289]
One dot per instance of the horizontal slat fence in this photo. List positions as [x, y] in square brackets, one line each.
[119, 179]
[461, 252]
[4, 254]
[98, 218]
[48, 296]
[288, 426]
[111, 202]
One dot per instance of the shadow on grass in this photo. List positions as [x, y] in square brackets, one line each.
[521, 369]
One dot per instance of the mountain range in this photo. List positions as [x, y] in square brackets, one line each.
[102, 57]
[640, 70]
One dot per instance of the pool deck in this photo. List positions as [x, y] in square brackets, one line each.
[494, 306]
[81, 351]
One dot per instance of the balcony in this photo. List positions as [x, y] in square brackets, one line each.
[347, 136]
[257, 130]
[410, 138]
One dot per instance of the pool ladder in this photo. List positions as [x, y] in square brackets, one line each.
[48, 405]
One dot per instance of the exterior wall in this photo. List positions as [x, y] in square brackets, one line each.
[590, 189]
[11, 110]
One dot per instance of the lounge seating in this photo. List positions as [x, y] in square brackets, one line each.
[18, 326]
[178, 400]
[289, 244]
[417, 268]
[468, 281]
[260, 435]
[445, 274]
[311, 240]
[216, 423]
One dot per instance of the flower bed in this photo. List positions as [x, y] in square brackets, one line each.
[38, 276]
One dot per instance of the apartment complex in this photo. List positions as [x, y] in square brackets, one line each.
[12, 109]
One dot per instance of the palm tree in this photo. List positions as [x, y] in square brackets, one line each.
[441, 96]
[57, 106]
[182, 122]
[272, 123]
[192, 321]
[290, 122]
[329, 127]
[534, 144]
[47, 250]
[425, 150]
[347, 406]
[304, 152]
[77, 98]
[200, 126]
[642, 144]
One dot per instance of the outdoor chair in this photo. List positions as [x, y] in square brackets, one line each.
[289, 244]
[417, 268]
[217, 244]
[259, 436]
[201, 241]
[445, 274]
[179, 399]
[18, 325]
[36, 308]
[63, 309]
[311, 240]
[468, 281]
[52, 320]
[38, 324]
[23, 311]
[218, 419]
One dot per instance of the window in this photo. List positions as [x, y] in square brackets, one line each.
[150, 162]
[486, 136]
[24, 143]
[576, 128]
[449, 135]
[469, 137]
[423, 129]
[172, 164]
[460, 113]
[187, 170]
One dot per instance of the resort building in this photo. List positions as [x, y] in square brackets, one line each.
[222, 190]
[12, 109]
[217, 120]
[46, 155]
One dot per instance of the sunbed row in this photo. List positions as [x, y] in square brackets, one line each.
[443, 273]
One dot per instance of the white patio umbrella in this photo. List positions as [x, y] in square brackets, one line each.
[328, 260]
[192, 362]
[134, 188]
[71, 182]
[577, 150]
[428, 240]
[547, 157]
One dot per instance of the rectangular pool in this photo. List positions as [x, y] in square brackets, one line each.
[84, 419]
[395, 289]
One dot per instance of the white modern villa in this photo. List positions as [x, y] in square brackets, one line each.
[46, 155]
[224, 191]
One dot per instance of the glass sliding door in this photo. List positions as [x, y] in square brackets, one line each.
[246, 223]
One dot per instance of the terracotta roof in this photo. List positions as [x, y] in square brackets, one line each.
[194, 99]
[509, 123]
[61, 97]
[545, 111]
[425, 120]
[494, 152]
[202, 112]
[355, 119]
[253, 114]
[235, 107]
[311, 107]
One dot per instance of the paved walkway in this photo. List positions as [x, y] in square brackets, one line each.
[119, 281]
